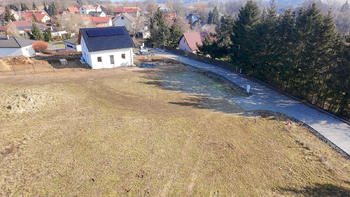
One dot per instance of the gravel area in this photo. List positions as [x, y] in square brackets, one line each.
[199, 82]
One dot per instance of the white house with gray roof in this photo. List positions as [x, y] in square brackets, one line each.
[13, 46]
[72, 43]
[107, 47]
[125, 19]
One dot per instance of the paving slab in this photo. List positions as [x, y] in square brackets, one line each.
[263, 98]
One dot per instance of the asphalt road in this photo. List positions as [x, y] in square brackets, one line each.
[263, 98]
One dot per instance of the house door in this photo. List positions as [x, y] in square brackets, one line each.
[111, 59]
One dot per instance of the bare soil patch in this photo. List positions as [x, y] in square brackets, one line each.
[119, 132]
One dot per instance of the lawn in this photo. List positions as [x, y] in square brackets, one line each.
[124, 132]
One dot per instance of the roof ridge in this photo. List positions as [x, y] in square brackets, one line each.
[17, 41]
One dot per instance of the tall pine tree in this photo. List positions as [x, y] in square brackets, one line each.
[36, 33]
[13, 7]
[24, 7]
[8, 15]
[160, 32]
[35, 19]
[34, 6]
[47, 35]
[244, 46]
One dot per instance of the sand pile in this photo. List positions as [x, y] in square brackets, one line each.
[18, 60]
[24, 101]
[4, 67]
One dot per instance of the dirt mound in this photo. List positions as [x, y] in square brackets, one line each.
[4, 66]
[18, 60]
[24, 101]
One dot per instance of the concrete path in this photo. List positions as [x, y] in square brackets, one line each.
[263, 98]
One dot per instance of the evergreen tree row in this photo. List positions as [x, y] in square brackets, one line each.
[301, 54]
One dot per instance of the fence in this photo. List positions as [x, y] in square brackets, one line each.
[41, 65]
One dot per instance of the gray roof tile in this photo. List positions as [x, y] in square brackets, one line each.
[107, 38]
[14, 42]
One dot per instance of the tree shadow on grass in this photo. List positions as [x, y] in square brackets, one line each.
[206, 90]
[215, 104]
[320, 190]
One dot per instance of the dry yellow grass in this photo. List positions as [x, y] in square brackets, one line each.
[115, 133]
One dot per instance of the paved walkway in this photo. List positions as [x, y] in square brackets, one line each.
[263, 98]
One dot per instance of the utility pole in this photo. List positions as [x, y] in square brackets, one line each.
[163, 41]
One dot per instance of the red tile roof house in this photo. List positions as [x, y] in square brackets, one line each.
[188, 41]
[40, 16]
[86, 9]
[73, 9]
[13, 46]
[107, 47]
[23, 26]
[106, 21]
[133, 11]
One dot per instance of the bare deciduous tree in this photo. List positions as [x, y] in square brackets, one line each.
[74, 23]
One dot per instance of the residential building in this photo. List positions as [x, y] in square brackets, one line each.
[57, 31]
[126, 20]
[86, 9]
[97, 14]
[72, 43]
[73, 9]
[191, 16]
[197, 22]
[42, 17]
[107, 47]
[133, 11]
[188, 41]
[13, 46]
[163, 8]
[105, 21]
[23, 26]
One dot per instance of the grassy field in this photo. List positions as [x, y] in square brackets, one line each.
[117, 132]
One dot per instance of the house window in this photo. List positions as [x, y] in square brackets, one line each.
[99, 59]
[111, 57]
[122, 18]
[123, 56]
[184, 40]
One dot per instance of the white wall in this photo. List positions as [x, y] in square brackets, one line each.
[86, 11]
[98, 14]
[58, 33]
[118, 61]
[25, 51]
[85, 52]
[184, 46]
[121, 22]
[72, 46]
[78, 47]
[110, 23]
[91, 57]
[45, 19]
[82, 10]
[28, 51]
